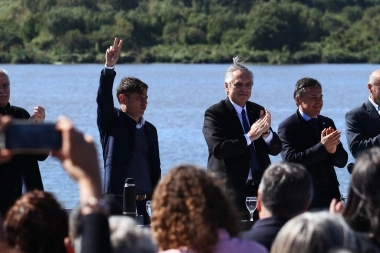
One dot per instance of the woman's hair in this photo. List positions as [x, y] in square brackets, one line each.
[189, 206]
[362, 211]
[36, 223]
[316, 232]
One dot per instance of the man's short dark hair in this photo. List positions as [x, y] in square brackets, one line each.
[286, 189]
[129, 85]
[302, 84]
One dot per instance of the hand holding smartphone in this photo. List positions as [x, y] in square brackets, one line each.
[28, 137]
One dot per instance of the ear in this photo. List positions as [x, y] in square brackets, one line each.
[298, 100]
[123, 99]
[68, 245]
[226, 87]
[258, 203]
[369, 86]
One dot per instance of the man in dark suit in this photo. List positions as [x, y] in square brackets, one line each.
[363, 122]
[23, 168]
[239, 137]
[285, 191]
[130, 143]
[312, 140]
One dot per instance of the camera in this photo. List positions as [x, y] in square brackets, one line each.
[29, 137]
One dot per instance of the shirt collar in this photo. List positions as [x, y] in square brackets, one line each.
[377, 107]
[238, 108]
[305, 116]
[140, 124]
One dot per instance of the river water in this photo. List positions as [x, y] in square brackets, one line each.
[178, 96]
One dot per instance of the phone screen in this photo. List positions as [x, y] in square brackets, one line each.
[32, 137]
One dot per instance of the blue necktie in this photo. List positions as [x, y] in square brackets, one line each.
[254, 165]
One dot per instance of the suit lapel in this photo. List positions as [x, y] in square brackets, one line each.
[374, 114]
[233, 116]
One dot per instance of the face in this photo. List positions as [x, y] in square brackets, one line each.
[239, 90]
[4, 90]
[311, 103]
[374, 92]
[136, 104]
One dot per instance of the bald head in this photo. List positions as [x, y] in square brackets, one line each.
[374, 77]
[4, 88]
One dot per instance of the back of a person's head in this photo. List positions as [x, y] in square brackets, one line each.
[189, 206]
[36, 223]
[362, 211]
[127, 237]
[286, 189]
[313, 232]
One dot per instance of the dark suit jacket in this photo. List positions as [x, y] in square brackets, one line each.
[264, 231]
[21, 167]
[117, 135]
[229, 155]
[362, 128]
[300, 144]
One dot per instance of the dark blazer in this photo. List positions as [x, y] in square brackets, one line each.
[21, 168]
[300, 144]
[264, 231]
[117, 135]
[229, 155]
[362, 128]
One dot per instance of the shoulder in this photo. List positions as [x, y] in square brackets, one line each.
[254, 106]
[18, 112]
[325, 119]
[357, 110]
[149, 125]
[217, 106]
[292, 119]
[235, 244]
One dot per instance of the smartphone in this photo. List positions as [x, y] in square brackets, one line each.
[29, 137]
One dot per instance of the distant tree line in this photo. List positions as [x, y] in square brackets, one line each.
[191, 31]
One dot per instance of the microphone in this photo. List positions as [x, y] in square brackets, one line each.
[129, 198]
[350, 167]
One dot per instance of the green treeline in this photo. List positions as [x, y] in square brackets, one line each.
[191, 31]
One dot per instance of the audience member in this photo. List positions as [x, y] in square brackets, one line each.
[362, 211]
[312, 140]
[36, 223]
[313, 232]
[127, 237]
[192, 213]
[239, 136]
[285, 191]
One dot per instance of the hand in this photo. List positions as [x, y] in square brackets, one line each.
[260, 126]
[336, 206]
[113, 53]
[38, 114]
[330, 139]
[79, 158]
[5, 154]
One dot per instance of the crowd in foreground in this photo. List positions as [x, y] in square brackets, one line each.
[192, 212]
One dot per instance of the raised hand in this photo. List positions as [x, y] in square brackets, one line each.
[330, 139]
[260, 126]
[113, 53]
[38, 114]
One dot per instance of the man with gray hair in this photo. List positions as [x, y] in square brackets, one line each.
[363, 122]
[285, 191]
[22, 168]
[239, 136]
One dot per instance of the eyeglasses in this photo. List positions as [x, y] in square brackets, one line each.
[4, 86]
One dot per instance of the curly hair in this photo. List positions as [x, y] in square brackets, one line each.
[189, 206]
[36, 223]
